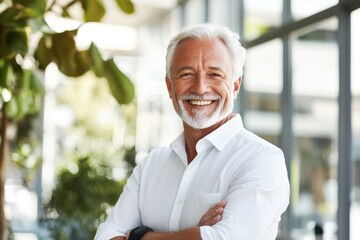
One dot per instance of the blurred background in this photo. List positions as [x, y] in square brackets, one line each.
[83, 99]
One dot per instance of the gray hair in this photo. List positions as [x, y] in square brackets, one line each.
[207, 31]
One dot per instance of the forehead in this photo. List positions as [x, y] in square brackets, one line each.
[192, 49]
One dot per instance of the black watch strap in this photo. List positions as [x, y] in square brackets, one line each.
[137, 233]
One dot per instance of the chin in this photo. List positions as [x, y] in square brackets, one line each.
[197, 120]
[202, 122]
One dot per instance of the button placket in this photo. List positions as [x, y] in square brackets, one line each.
[181, 194]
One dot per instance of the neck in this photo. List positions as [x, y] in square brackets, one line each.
[192, 136]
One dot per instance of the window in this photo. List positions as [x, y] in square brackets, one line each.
[304, 8]
[315, 122]
[263, 84]
[195, 12]
[261, 16]
[355, 76]
[292, 80]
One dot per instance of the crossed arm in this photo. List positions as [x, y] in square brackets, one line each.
[254, 201]
[211, 217]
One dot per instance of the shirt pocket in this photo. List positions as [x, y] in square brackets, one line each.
[208, 200]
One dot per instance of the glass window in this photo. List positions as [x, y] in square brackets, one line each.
[194, 12]
[315, 127]
[261, 16]
[304, 8]
[355, 85]
[263, 84]
[219, 12]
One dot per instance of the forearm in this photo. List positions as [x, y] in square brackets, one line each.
[188, 234]
[118, 238]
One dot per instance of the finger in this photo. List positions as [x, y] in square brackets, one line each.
[215, 220]
[211, 216]
[222, 203]
[210, 221]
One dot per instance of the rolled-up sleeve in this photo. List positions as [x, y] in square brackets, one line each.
[125, 215]
[255, 200]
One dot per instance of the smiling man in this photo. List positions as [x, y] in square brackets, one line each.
[217, 180]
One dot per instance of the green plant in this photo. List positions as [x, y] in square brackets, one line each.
[21, 89]
[81, 200]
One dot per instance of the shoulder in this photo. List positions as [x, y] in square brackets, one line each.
[265, 159]
[159, 152]
[257, 158]
[156, 156]
[249, 145]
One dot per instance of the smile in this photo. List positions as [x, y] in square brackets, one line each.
[200, 102]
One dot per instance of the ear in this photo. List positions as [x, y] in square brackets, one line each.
[169, 86]
[237, 84]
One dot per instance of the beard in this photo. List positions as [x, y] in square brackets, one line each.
[199, 119]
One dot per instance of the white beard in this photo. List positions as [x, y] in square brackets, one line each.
[199, 120]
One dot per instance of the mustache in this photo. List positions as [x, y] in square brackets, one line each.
[204, 97]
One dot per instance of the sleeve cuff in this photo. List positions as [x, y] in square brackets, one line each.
[104, 232]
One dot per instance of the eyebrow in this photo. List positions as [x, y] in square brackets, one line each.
[217, 68]
[190, 68]
[183, 68]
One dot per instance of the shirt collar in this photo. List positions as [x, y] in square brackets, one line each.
[222, 135]
[178, 146]
[218, 138]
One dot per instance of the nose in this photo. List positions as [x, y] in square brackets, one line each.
[200, 85]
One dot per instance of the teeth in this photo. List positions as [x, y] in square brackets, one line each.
[200, 103]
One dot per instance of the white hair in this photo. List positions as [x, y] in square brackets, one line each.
[208, 31]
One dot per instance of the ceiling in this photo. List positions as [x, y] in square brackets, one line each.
[146, 11]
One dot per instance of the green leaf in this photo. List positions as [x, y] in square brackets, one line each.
[12, 43]
[70, 62]
[4, 73]
[126, 6]
[32, 8]
[16, 42]
[36, 86]
[3, 50]
[22, 100]
[97, 62]
[43, 53]
[25, 78]
[11, 108]
[35, 104]
[13, 18]
[82, 62]
[94, 11]
[120, 85]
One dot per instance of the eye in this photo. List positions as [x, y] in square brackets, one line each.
[215, 75]
[187, 75]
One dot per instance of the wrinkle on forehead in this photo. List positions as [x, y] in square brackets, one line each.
[202, 54]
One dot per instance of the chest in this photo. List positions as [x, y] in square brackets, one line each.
[174, 196]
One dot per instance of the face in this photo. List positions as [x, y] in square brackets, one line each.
[202, 87]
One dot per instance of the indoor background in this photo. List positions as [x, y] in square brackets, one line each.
[301, 91]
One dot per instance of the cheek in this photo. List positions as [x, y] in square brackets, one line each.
[179, 89]
[226, 91]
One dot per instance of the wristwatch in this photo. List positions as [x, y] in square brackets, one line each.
[139, 232]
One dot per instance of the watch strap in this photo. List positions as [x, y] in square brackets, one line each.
[139, 232]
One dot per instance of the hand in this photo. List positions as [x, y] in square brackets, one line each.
[213, 215]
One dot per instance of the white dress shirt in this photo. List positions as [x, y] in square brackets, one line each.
[168, 194]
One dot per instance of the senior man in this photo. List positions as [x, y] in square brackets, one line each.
[216, 180]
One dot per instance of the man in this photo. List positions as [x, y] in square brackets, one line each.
[216, 180]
